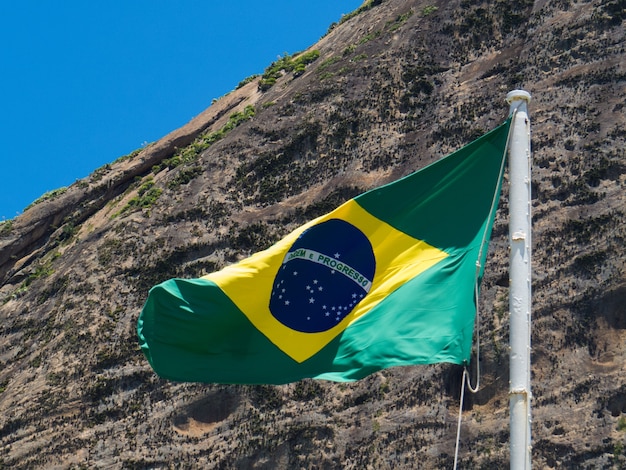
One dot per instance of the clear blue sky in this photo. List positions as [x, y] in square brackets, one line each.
[85, 82]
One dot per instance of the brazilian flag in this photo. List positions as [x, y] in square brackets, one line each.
[386, 279]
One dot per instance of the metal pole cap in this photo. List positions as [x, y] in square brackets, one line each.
[517, 95]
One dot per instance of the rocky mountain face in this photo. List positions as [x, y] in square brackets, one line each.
[389, 89]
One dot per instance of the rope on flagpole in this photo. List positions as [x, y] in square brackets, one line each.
[466, 376]
[458, 424]
[483, 244]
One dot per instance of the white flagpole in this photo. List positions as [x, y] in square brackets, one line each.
[520, 280]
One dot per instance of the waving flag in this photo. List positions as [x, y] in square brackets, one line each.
[386, 279]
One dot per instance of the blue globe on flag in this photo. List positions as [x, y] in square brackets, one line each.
[327, 271]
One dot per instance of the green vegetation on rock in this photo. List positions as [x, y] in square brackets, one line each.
[296, 63]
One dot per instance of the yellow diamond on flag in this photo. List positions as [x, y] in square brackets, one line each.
[302, 297]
